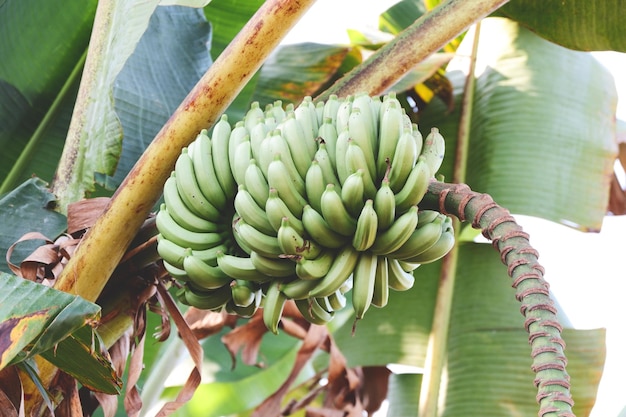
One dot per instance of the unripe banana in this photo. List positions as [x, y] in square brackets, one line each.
[257, 141]
[170, 252]
[364, 277]
[380, 296]
[273, 306]
[318, 228]
[313, 312]
[272, 267]
[415, 186]
[253, 116]
[203, 275]
[426, 216]
[408, 266]
[276, 145]
[240, 267]
[328, 171]
[353, 192]
[437, 251]
[209, 256]
[399, 279]
[237, 134]
[243, 293]
[343, 114]
[298, 289]
[183, 237]
[422, 238]
[357, 160]
[363, 133]
[315, 185]
[250, 211]
[179, 211]
[219, 146]
[256, 183]
[294, 136]
[340, 155]
[306, 117]
[208, 300]
[277, 112]
[399, 232]
[419, 140]
[278, 178]
[403, 161]
[205, 171]
[315, 268]
[189, 190]
[243, 155]
[339, 271]
[369, 114]
[265, 245]
[328, 134]
[292, 243]
[175, 272]
[390, 131]
[319, 112]
[385, 205]
[366, 228]
[337, 300]
[434, 150]
[335, 212]
[330, 109]
[276, 209]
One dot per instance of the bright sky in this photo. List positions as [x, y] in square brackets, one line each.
[585, 270]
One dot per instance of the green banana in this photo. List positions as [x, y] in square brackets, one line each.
[408, 266]
[422, 238]
[257, 241]
[320, 231]
[436, 251]
[434, 150]
[399, 232]
[254, 116]
[427, 216]
[364, 277]
[208, 300]
[272, 267]
[306, 116]
[239, 267]
[203, 275]
[189, 190]
[385, 205]
[353, 192]
[237, 135]
[368, 107]
[255, 182]
[243, 155]
[399, 279]
[389, 133]
[314, 268]
[366, 227]
[403, 161]
[276, 209]
[363, 133]
[313, 312]
[209, 256]
[328, 135]
[356, 159]
[417, 136]
[250, 211]
[175, 272]
[273, 305]
[343, 114]
[341, 269]
[337, 300]
[298, 289]
[205, 171]
[335, 212]
[257, 139]
[278, 178]
[293, 135]
[179, 211]
[330, 109]
[380, 295]
[183, 237]
[276, 145]
[315, 185]
[340, 155]
[328, 171]
[415, 186]
[219, 147]
[243, 293]
[170, 252]
[277, 112]
[293, 244]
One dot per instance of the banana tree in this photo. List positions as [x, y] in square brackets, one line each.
[518, 128]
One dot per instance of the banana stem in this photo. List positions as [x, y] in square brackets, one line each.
[428, 34]
[438, 340]
[547, 345]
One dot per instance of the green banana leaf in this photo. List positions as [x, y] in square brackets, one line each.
[38, 82]
[577, 24]
[42, 320]
[543, 119]
[28, 208]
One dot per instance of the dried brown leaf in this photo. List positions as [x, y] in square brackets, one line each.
[617, 197]
[374, 387]
[246, 338]
[82, 214]
[70, 405]
[11, 393]
[204, 323]
[315, 338]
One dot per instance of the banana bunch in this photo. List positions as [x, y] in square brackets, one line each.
[304, 203]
